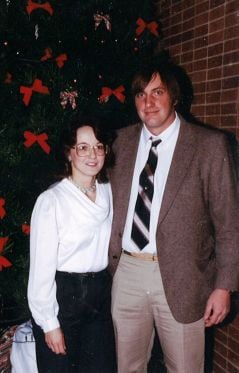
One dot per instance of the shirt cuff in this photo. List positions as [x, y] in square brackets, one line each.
[50, 324]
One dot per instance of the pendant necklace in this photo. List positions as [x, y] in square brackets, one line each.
[84, 190]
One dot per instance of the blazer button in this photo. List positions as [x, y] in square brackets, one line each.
[120, 235]
[115, 256]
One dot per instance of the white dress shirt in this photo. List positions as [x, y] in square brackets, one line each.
[69, 232]
[165, 153]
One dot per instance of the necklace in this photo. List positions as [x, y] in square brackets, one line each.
[84, 190]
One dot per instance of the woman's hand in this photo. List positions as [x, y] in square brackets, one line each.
[55, 341]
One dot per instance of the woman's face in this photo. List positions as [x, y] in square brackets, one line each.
[88, 156]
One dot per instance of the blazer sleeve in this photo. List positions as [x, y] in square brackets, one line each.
[224, 211]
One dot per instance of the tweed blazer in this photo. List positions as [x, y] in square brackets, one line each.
[198, 227]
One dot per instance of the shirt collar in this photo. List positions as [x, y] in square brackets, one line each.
[165, 135]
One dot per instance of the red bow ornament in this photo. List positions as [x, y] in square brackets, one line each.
[60, 60]
[33, 6]
[98, 18]
[31, 138]
[2, 209]
[36, 87]
[47, 55]
[4, 262]
[26, 229]
[107, 92]
[142, 25]
[68, 97]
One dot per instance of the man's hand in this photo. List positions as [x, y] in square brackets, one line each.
[218, 306]
[55, 341]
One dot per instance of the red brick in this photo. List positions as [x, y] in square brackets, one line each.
[231, 57]
[187, 35]
[216, 13]
[199, 76]
[213, 97]
[185, 57]
[215, 3]
[188, 66]
[231, 32]
[198, 111]
[199, 99]
[233, 358]
[176, 49]
[215, 73]
[201, 19]
[233, 332]
[227, 120]
[175, 39]
[231, 45]
[214, 61]
[218, 369]
[215, 49]
[200, 31]
[199, 87]
[230, 83]
[188, 13]
[186, 46]
[231, 70]
[229, 95]
[214, 85]
[220, 360]
[221, 336]
[233, 345]
[188, 25]
[200, 42]
[231, 19]
[213, 110]
[200, 53]
[175, 29]
[202, 7]
[216, 25]
[232, 368]
[177, 18]
[216, 37]
[199, 65]
[213, 120]
[230, 108]
[220, 348]
[231, 6]
[177, 7]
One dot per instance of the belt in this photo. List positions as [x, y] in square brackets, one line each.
[82, 275]
[142, 256]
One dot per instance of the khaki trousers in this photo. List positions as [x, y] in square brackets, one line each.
[138, 305]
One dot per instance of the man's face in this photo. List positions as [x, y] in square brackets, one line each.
[154, 106]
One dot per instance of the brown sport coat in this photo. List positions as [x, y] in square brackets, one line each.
[198, 227]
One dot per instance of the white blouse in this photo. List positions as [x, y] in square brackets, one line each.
[71, 233]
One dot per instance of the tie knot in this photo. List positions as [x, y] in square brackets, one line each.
[155, 143]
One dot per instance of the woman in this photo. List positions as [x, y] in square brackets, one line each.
[69, 286]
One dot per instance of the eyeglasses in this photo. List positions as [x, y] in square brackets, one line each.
[84, 150]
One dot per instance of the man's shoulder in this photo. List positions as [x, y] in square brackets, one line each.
[203, 131]
[131, 129]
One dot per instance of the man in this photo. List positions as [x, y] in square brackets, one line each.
[175, 242]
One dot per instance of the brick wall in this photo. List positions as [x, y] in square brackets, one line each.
[203, 37]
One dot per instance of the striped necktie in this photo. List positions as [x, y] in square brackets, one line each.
[141, 219]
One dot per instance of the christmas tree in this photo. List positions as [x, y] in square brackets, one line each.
[57, 57]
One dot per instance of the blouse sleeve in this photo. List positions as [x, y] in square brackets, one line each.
[43, 262]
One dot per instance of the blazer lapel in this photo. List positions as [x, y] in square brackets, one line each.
[183, 154]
